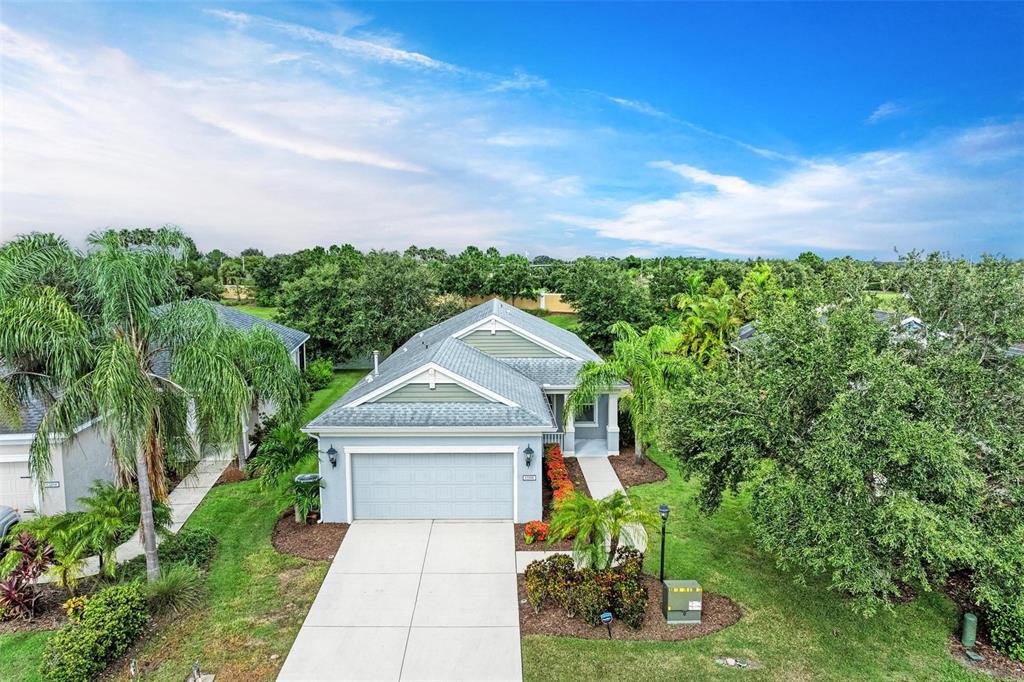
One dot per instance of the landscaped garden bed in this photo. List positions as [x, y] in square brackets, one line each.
[565, 470]
[719, 613]
[558, 598]
[958, 589]
[630, 473]
[232, 475]
[316, 541]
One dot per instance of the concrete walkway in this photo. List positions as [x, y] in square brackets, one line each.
[414, 600]
[600, 476]
[183, 500]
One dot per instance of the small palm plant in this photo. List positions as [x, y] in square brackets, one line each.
[647, 364]
[111, 515]
[599, 527]
[281, 453]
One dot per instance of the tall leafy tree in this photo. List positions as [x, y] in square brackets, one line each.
[647, 363]
[514, 278]
[874, 457]
[107, 351]
[603, 294]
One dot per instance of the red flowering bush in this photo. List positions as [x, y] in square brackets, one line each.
[536, 531]
[557, 472]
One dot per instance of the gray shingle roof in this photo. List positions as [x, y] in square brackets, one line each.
[31, 416]
[517, 379]
[461, 359]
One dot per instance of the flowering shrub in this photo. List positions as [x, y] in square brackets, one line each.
[536, 531]
[557, 472]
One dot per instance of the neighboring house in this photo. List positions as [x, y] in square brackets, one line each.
[79, 462]
[453, 423]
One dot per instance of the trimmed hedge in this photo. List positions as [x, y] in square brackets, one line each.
[110, 622]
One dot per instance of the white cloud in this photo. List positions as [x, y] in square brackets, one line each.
[254, 153]
[887, 110]
[865, 203]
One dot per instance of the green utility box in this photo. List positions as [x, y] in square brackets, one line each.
[682, 601]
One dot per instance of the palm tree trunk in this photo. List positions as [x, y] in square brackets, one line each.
[638, 448]
[148, 524]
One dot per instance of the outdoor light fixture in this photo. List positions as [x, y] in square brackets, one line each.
[663, 512]
[332, 457]
[528, 453]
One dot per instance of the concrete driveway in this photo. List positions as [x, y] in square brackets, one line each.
[414, 600]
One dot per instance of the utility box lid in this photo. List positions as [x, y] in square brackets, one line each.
[682, 601]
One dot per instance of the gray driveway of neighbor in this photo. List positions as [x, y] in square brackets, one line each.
[414, 600]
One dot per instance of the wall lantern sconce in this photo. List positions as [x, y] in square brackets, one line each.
[332, 456]
[528, 453]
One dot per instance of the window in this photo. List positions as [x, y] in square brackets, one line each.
[586, 415]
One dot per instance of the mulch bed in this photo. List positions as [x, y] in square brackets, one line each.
[958, 589]
[231, 475]
[317, 541]
[631, 474]
[49, 610]
[719, 613]
[576, 476]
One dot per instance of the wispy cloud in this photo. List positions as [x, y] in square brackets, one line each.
[887, 110]
[863, 203]
[363, 49]
[650, 110]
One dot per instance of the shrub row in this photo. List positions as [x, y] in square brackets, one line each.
[557, 472]
[587, 593]
[101, 630]
[189, 545]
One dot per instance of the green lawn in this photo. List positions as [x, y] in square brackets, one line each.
[795, 633]
[888, 300]
[568, 321]
[21, 654]
[257, 598]
[325, 397]
[258, 311]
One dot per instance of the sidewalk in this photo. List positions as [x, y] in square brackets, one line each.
[183, 500]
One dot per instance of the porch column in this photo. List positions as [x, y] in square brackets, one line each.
[613, 424]
[569, 439]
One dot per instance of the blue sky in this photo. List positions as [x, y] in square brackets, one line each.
[568, 128]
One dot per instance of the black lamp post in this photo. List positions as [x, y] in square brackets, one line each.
[663, 511]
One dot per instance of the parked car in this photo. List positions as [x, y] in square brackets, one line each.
[8, 517]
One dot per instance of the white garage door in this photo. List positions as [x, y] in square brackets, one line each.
[16, 486]
[432, 486]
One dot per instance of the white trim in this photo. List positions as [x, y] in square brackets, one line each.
[405, 378]
[17, 438]
[348, 485]
[27, 437]
[13, 459]
[512, 450]
[506, 325]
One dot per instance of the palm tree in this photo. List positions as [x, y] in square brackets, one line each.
[105, 336]
[598, 526]
[644, 362]
[708, 325]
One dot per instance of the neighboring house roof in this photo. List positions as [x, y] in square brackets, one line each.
[242, 321]
[512, 384]
[32, 413]
[31, 416]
